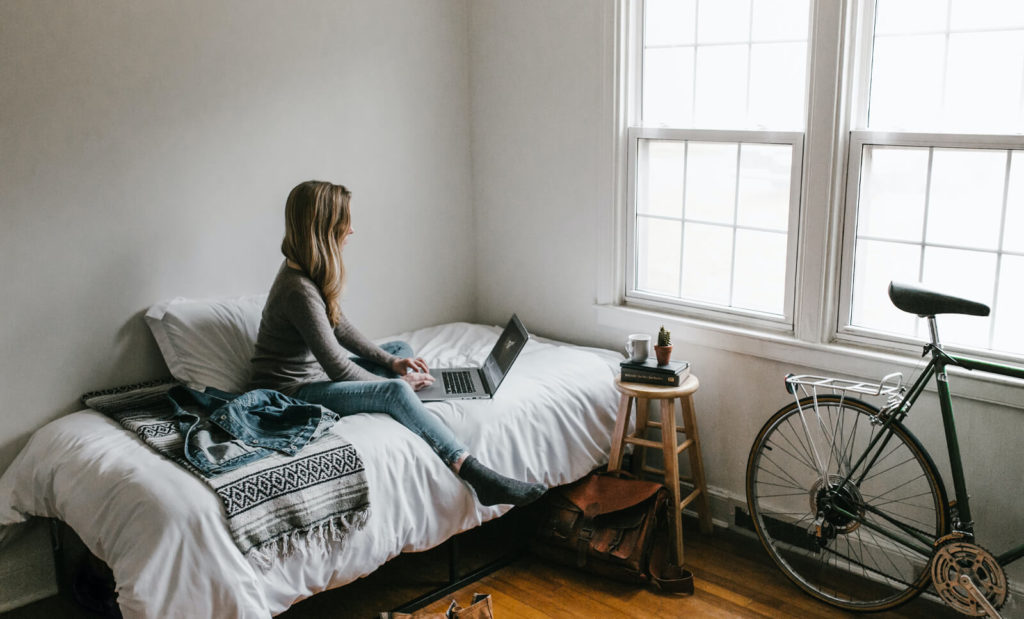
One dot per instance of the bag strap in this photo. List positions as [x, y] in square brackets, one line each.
[667, 576]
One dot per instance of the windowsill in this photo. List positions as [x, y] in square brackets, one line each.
[838, 359]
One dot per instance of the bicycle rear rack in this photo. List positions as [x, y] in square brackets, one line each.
[809, 384]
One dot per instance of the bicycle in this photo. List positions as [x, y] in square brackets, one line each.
[849, 503]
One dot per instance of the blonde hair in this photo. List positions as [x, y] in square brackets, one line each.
[316, 219]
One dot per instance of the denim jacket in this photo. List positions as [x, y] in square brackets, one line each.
[224, 431]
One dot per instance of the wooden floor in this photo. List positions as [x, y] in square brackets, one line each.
[733, 577]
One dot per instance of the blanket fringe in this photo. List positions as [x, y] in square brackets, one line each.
[321, 537]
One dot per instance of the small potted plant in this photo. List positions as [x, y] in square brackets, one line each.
[663, 350]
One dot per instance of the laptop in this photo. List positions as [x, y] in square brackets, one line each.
[478, 383]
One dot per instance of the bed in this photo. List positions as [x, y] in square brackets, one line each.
[162, 531]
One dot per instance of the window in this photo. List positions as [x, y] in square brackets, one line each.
[715, 156]
[785, 160]
[936, 189]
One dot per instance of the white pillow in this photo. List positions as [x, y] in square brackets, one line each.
[208, 342]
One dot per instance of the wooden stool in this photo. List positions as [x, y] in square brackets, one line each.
[670, 446]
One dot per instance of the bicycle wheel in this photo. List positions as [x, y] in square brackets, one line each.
[857, 540]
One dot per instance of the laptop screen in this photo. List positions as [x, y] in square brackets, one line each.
[505, 351]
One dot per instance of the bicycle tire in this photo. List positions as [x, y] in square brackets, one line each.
[843, 560]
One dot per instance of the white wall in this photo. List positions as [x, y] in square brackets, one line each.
[542, 96]
[146, 150]
[540, 144]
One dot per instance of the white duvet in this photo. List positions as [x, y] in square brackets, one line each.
[163, 533]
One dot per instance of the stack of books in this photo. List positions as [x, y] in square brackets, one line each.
[650, 373]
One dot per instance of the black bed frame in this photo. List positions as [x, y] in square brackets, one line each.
[89, 582]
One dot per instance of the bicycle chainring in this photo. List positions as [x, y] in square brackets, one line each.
[955, 560]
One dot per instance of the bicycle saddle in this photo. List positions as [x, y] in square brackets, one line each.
[923, 302]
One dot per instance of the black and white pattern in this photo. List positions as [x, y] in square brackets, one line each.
[301, 472]
[273, 506]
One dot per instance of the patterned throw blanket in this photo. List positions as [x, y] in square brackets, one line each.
[274, 506]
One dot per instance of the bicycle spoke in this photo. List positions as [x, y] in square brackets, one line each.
[808, 451]
[786, 472]
[903, 500]
[901, 525]
[866, 568]
[770, 496]
[859, 543]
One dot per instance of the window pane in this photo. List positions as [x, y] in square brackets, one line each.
[711, 182]
[780, 20]
[966, 197]
[725, 64]
[1009, 310]
[723, 21]
[983, 81]
[668, 86]
[909, 16]
[965, 216]
[964, 74]
[906, 82]
[764, 186]
[660, 178]
[670, 22]
[967, 274]
[777, 76]
[707, 262]
[875, 265]
[658, 255]
[1013, 227]
[721, 99]
[759, 281]
[986, 14]
[892, 193]
[689, 195]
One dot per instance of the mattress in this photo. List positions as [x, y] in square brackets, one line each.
[163, 533]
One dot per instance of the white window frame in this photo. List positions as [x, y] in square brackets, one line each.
[859, 137]
[814, 342]
[697, 308]
[858, 140]
[629, 105]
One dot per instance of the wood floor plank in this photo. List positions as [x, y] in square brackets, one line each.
[711, 588]
[734, 578]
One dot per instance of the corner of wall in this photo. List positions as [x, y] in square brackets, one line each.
[474, 192]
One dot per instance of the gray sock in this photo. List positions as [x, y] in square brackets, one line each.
[495, 489]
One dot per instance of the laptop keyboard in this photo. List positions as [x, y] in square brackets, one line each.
[457, 382]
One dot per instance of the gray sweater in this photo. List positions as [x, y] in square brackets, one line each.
[297, 345]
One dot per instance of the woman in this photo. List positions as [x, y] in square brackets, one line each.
[303, 337]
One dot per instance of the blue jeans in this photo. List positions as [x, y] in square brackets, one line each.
[394, 397]
[224, 431]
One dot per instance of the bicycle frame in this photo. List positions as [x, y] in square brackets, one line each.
[936, 367]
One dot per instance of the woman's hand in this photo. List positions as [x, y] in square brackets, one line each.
[404, 366]
[413, 371]
[417, 380]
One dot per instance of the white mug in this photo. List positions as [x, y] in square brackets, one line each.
[638, 346]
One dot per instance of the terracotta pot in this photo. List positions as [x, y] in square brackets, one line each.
[663, 353]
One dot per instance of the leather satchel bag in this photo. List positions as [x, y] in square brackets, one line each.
[613, 525]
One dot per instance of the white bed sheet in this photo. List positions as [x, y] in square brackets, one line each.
[163, 533]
